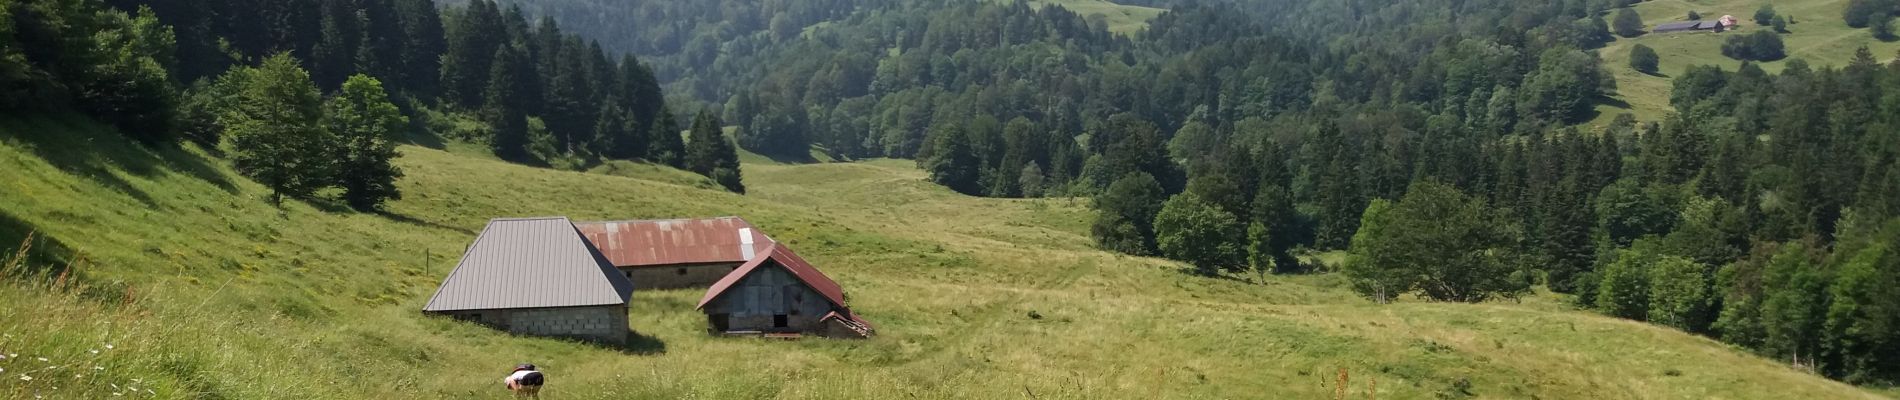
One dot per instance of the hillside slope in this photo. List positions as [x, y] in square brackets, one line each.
[194, 286]
[1819, 37]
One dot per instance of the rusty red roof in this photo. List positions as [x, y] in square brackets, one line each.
[782, 256]
[675, 241]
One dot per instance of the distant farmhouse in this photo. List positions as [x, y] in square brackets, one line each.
[677, 253]
[778, 293]
[553, 277]
[1716, 25]
[536, 276]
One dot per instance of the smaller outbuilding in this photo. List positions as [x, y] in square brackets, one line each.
[537, 276]
[779, 294]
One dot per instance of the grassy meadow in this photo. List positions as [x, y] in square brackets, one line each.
[1817, 36]
[186, 282]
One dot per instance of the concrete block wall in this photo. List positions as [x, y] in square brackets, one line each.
[602, 323]
[607, 324]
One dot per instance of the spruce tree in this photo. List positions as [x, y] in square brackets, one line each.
[702, 151]
[668, 147]
[472, 43]
[366, 124]
[424, 41]
[334, 58]
[502, 107]
[712, 154]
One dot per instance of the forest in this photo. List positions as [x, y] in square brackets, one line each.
[1435, 142]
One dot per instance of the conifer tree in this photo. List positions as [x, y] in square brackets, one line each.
[472, 43]
[423, 45]
[502, 109]
[668, 147]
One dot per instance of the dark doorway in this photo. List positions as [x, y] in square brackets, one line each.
[720, 322]
[779, 321]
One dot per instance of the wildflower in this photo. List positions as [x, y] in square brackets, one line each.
[25, 378]
[77, 376]
[108, 347]
[98, 368]
[42, 359]
[3, 356]
[94, 351]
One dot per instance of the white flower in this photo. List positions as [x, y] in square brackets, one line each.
[108, 347]
[25, 378]
[94, 351]
[42, 359]
[98, 368]
[77, 376]
[3, 356]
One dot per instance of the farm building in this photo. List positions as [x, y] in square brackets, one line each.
[537, 276]
[676, 253]
[1716, 25]
[778, 293]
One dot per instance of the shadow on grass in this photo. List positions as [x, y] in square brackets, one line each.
[79, 146]
[791, 158]
[47, 255]
[638, 344]
[422, 223]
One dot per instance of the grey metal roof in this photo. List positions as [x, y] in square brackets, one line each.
[1677, 26]
[530, 263]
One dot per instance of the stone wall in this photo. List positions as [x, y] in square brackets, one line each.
[606, 324]
[677, 276]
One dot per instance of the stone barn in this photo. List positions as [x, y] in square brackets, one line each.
[779, 294]
[537, 276]
[676, 253]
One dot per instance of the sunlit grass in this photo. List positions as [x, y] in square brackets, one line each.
[208, 291]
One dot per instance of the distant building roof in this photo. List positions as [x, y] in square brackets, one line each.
[783, 257]
[675, 241]
[530, 263]
[1678, 26]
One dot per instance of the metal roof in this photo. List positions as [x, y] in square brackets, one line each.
[675, 241]
[530, 263]
[782, 256]
[1678, 26]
